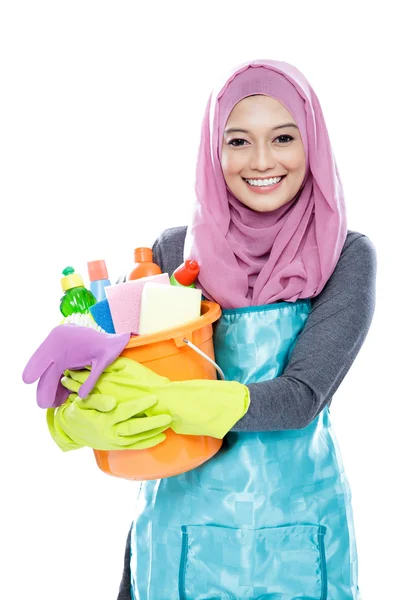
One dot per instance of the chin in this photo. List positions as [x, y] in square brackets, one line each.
[267, 206]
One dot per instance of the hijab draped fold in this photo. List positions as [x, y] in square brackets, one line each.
[248, 258]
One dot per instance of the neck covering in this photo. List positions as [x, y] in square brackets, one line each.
[250, 258]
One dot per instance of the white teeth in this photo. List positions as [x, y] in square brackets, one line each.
[261, 182]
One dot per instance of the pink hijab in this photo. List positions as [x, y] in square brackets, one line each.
[248, 258]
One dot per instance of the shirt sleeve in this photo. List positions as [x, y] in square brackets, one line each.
[168, 249]
[326, 348]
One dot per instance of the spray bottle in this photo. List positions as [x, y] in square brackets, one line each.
[186, 274]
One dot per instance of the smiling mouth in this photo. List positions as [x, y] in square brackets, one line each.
[267, 182]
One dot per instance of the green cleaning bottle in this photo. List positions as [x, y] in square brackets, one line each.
[76, 299]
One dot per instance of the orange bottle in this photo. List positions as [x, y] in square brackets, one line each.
[145, 266]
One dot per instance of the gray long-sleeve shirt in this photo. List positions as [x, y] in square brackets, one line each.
[324, 352]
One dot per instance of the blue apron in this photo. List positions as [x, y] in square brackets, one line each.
[268, 517]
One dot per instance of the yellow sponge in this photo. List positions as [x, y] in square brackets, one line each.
[167, 306]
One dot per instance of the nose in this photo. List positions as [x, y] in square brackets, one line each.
[262, 158]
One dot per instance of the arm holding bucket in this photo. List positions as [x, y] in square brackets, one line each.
[325, 350]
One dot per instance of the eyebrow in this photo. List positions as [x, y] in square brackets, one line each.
[238, 130]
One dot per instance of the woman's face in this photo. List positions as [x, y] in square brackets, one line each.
[262, 143]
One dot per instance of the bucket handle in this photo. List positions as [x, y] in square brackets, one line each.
[201, 353]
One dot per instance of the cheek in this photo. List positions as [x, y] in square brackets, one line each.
[293, 161]
[231, 164]
[297, 160]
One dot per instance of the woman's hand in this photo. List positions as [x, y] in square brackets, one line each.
[197, 407]
[105, 423]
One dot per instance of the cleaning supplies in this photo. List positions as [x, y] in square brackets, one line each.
[76, 299]
[125, 300]
[166, 306]
[145, 266]
[98, 277]
[186, 274]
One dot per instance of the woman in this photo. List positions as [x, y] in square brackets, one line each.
[270, 515]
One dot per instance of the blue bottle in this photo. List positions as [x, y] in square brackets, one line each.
[98, 277]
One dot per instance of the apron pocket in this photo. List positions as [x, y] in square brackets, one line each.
[282, 563]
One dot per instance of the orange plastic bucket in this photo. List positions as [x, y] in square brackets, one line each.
[168, 354]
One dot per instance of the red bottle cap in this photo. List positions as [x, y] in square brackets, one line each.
[187, 273]
[97, 270]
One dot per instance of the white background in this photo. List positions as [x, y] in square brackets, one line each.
[101, 106]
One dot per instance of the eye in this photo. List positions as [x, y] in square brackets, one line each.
[237, 142]
[284, 138]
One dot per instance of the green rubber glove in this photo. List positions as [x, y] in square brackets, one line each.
[60, 437]
[198, 407]
[105, 423]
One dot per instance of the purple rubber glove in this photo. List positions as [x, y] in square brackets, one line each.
[71, 347]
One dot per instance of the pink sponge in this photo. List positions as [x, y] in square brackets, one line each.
[125, 299]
